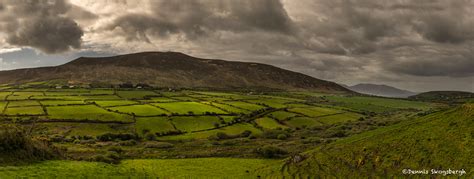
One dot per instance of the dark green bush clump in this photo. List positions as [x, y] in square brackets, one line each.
[113, 137]
[16, 146]
[271, 152]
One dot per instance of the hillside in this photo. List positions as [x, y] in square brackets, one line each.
[381, 90]
[441, 140]
[444, 96]
[171, 69]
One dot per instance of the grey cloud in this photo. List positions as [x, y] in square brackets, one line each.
[445, 29]
[453, 65]
[202, 17]
[41, 24]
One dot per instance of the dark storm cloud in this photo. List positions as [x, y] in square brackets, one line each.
[434, 62]
[200, 17]
[41, 24]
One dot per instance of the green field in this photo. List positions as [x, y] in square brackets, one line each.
[84, 112]
[299, 122]
[140, 110]
[139, 94]
[164, 168]
[189, 107]
[115, 103]
[177, 133]
[442, 140]
[269, 123]
[190, 124]
[243, 105]
[314, 111]
[29, 110]
[282, 115]
[154, 124]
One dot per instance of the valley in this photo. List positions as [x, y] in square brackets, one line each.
[128, 127]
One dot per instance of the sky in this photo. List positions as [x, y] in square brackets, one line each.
[419, 45]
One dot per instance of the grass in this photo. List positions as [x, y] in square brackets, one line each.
[109, 103]
[154, 124]
[184, 98]
[340, 118]
[314, 111]
[139, 94]
[299, 122]
[3, 95]
[186, 107]
[162, 100]
[272, 102]
[269, 123]
[83, 129]
[229, 130]
[23, 103]
[59, 102]
[141, 168]
[243, 105]
[23, 95]
[85, 112]
[228, 108]
[376, 104]
[282, 115]
[197, 123]
[30, 110]
[140, 110]
[2, 106]
[440, 140]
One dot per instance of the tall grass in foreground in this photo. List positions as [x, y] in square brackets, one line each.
[16, 147]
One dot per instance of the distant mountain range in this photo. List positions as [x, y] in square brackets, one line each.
[171, 69]
[380, 90]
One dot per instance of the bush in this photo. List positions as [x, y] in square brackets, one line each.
[128, 143]
[159, 145]
[271, 152]
[113, 137]
[112, 158]
[312, 140]
[246, 133]
[273, 134]
[282, 136]
[222, 135]
[150, 136]
[16, 146]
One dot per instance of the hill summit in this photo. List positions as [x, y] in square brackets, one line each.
[381, 90]
[171, 69]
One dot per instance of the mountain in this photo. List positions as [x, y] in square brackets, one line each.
[444, 96]
[381, 90]
[441, 141]
[171, 69]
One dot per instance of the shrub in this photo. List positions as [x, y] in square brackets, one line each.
[150, 136]
[159, 145]
[273, 134]
[271, 152]
[282, 136]
[113, 137]
[222, 135]
[312, 140]
[16, 146]
[246, 133]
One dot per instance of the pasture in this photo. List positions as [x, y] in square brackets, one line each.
[141, 168]
[109, 125]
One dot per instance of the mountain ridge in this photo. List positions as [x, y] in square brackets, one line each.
[171, 69]
[381, 90]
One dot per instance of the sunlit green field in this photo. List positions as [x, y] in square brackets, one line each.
[164, 168]
[107, 132]
[191, 111]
